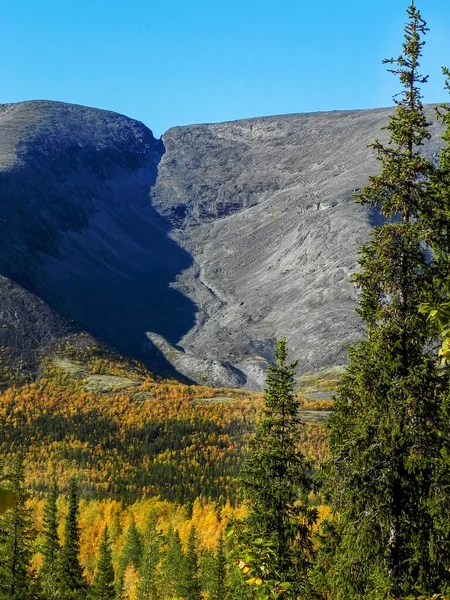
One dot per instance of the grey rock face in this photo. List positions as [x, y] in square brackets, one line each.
[207, 245]
[265, 208]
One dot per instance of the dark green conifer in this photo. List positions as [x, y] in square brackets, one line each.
[190, 587]
[115, 528]
[50, 546]
[16, 537]
[103, 587]
[72, 584]
[388, 434]
[219, 581]
[148, 586]
[170, 568]
[276, 476]
[131, 553]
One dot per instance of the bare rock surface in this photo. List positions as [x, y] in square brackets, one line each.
[194, 252]
[265, 208]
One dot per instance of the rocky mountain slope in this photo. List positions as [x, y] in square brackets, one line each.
[208, 244]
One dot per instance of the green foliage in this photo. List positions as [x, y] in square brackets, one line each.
[72, 583]
[190, 587]
[389, 477]
[7, 500]
[219, 584]
[257, 561]
[16, 537]
[131, 553]
[148, 587]
[441, 315]
[238, 589]
[276, 478]
[170, 567]
[50, 547]
[103, 585]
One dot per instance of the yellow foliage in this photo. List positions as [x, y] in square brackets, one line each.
[130, 584]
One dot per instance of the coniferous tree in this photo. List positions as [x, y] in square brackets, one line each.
[72, 584]
[103, 587]
[50, 547]
[170, 568]
[206, 567]
[16, 537]
[388, 434]
[438, 211]
[148, 586]
[131, 553]
[219, 584]
[115, 528]
[276, 476]
[190, 587]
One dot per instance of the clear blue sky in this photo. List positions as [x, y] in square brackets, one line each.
[174, 62]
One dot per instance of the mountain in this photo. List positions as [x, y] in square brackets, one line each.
[194, 252]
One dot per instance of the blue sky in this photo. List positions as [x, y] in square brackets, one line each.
[174, 62]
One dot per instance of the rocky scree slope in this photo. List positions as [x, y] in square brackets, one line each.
[207, 245]
[265, 208]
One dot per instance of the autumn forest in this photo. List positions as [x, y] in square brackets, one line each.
[117, 483]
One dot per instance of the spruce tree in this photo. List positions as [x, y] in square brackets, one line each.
[172, 559]
[16, 537]
[103, 587]
[148, 586]
[219, 583]
[207, 568]
[438, 212]
[50, 547]
[190, 587]
[72, 584]
[276, 476]
[388, 434]
[131, 553]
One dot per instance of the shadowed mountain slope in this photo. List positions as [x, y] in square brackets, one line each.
[208, 244]
[76, 225]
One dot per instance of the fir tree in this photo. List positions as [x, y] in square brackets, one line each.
[190, 587]
[276, 476]
[219, 583]
[50, 547]
[438, 212]
[148, 586]
[170, 580]
[72, 584]
[207, 567]
[388, 434]
[103, 587]
[131, 553]
[16, 542]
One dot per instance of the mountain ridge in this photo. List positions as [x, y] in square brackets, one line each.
[213, 241]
